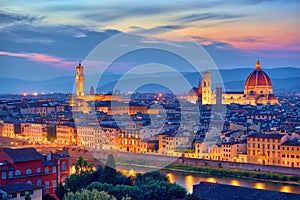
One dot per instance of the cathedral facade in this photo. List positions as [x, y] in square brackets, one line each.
[258, 89]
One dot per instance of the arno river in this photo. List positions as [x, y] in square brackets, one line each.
[187, 180]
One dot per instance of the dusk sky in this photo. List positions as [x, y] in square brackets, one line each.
[45, 39]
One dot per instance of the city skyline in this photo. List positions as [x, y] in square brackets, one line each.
[49, 37]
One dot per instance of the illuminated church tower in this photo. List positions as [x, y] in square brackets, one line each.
[206, 88]
[79, 80]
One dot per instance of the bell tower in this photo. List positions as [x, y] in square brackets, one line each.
[206, 88]
[79, 80]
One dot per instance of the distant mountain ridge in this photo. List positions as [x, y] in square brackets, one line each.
[283, 79]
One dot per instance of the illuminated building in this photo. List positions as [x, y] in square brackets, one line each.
[117, 107]
[229, 151]
[290, 153]
[232, 150]
[66, 135]
[8, 129]
[26, 165]
[258, 89]
[96, 137]
[79, 80]
[39, 108]
[172, 143]
[264, 148]
[206, 88]
[33, 131]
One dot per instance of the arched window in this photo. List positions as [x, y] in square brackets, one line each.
[18, 173]
[64, 166]
[28, 171]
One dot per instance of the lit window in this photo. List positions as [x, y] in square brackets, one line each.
[28, 171]
[3, 175]
[46, 184]
[64, 167]
[10, 174]
[54, 183]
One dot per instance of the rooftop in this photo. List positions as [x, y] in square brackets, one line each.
[23, 154]
[271, 135]
[218, 191]
[18, 187]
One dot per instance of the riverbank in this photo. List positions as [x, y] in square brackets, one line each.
[243, 174]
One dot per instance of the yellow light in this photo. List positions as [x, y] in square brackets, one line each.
[260, 186]
[131, 172]
[35, 94]
[25, 94]
[171, 177]
[235, 182]
[189, 182]
[211, 180]
[286, 189]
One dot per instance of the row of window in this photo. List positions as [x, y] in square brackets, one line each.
[29, 171]
[292, 148]
[268, 146]
[262, 139]
[292, 156]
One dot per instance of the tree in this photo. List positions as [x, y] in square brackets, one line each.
[109, 173]
[191, 197]
[150, 177]
[89, 195]
[96, 175]
[100, 186]
[27, 196]
[125, 191]
[51, 132]
[82, 167]
[156, 185]
[61, 191]
[82, 177]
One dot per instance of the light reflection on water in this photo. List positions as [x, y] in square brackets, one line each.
[260, 186]
[286, 188]
[188, 180]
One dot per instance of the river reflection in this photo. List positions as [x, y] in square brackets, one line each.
[187, 180]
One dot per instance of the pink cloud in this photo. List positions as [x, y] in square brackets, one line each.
[43, 58]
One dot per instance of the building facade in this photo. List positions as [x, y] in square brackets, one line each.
[258, 89]
[264, 149]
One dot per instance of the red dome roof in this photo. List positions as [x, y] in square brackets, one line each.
[258, 77]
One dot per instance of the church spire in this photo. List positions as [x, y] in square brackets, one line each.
[257, 64]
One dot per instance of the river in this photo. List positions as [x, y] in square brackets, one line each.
[187, 180]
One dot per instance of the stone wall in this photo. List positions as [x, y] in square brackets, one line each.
[237, 165]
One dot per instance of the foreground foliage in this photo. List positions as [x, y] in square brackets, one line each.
[108, 183]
